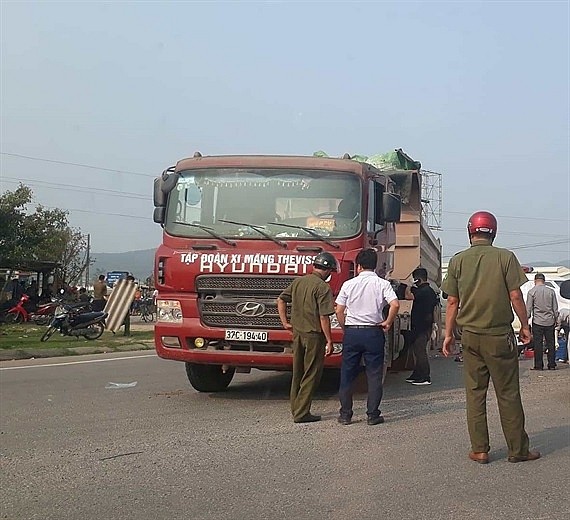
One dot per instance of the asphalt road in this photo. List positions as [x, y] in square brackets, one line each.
[76, 446]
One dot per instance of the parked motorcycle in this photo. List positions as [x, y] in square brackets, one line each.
[22, 312]
[69, 320]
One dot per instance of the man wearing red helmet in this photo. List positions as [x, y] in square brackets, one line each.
[483, 286]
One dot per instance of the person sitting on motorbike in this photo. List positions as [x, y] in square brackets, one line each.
[32, 292]
[83, 296]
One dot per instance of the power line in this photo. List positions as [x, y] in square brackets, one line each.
[100, 213]
[513, 216]
[80, 189]
[447, 257]
[81, 165]
[147, 175]
[502, 232]
[551, 243]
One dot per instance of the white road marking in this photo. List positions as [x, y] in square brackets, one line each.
[79, 362]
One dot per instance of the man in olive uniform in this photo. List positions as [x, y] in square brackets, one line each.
[482, 283]
[312, 303]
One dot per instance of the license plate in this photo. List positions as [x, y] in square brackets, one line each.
[246, 335]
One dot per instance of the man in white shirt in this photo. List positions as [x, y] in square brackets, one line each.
[359, 310]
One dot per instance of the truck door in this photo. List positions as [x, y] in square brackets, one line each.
[376, 230]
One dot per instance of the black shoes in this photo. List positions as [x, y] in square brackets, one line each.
[371, 421]
[422, 382]
[308, 418]
[415, 380]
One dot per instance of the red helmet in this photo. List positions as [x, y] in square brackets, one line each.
[482, 222]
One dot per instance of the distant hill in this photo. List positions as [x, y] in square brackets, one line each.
[139, 263]
[564, 263]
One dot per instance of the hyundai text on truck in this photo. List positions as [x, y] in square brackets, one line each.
[237, 230]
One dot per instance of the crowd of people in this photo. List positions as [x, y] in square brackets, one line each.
[15, 288]
[482, 286]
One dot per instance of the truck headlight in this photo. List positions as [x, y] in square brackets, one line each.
[334, 322]
[168, 311]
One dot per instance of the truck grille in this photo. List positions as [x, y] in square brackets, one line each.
[220, 295]
[263, 284]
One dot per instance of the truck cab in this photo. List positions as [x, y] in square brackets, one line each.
[236, 231]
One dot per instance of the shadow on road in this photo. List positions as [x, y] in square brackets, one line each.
[275, 386]
[448, 376]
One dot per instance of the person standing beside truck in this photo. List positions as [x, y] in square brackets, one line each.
[425, 301]
[312, 303]
[359, 310]
[485, 281]
[542, 305]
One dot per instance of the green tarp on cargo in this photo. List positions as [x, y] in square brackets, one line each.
[399, 166]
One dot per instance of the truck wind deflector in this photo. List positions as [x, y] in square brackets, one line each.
[210, 231]
[255, 228]
[311, 232]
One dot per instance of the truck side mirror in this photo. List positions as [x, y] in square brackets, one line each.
[159, 197]
[158, 215]
[162, 186]
[391, 207]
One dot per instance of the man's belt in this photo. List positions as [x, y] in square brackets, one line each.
[362, 326]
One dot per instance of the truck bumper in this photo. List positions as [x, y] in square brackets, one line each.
[177, 343]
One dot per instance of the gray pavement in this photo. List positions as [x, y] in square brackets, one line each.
[73, 446]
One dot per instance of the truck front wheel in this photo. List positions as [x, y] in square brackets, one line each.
[209, 378]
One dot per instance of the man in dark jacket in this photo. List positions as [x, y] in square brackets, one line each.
[425, 301]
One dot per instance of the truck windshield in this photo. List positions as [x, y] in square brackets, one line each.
[221, 199]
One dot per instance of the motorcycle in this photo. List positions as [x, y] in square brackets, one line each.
[69, 320]
[22, 312]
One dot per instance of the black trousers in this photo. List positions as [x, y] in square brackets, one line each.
[419, 350]
[98, 305]
[544, 333]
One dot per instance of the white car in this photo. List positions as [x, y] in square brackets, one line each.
[553, 280]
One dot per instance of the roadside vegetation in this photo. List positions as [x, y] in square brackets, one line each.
[27, 337]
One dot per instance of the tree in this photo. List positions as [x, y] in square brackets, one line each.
[12, 214]
[41, 235]
[44, 233]
[73, 259]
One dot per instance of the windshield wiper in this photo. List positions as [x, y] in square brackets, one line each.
[310, 231]
[255, 228]
[208, 230]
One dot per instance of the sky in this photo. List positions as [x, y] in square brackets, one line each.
[478, 91]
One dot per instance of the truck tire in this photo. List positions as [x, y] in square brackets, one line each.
[209, 378]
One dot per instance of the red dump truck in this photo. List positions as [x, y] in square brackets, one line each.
[238, 229]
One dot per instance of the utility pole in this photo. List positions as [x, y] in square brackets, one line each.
[87, 261]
